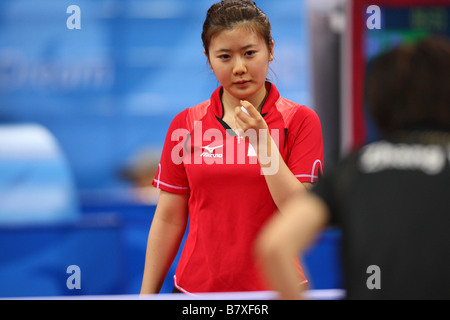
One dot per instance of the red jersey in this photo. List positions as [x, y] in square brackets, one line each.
[229, 200]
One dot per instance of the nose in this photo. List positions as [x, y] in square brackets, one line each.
[239, 66]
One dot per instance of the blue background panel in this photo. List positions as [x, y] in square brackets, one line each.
[112, 87]
[34, 259]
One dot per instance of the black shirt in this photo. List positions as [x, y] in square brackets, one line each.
[391, 200]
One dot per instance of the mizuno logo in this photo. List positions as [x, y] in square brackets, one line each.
[209, 152]
[212, 154]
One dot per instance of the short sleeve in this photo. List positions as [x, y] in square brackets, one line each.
[324, 189]
[171, 175]
[336, 188]
[305, 157]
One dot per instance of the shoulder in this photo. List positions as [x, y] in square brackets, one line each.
[198, 111]
[291, 110]
[186, 118]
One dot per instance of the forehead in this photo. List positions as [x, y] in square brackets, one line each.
[236, 38]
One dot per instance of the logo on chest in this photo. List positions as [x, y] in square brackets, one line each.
[210, 152]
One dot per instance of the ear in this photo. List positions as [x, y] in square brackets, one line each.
[207, 57]
[271, 51]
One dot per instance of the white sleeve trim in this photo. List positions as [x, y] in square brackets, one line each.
[180, 288]
[312, 175]
[158, 182]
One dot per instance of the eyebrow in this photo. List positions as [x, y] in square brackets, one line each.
[229, 50]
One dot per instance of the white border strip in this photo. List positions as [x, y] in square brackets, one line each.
[328, 294]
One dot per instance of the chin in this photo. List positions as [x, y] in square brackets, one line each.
[242, 94]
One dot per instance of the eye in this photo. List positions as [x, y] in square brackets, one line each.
[224, 57]
[250, 53]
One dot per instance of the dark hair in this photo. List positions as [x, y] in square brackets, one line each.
[229, 13]
[408, 87]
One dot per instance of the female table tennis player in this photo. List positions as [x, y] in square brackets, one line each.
[229, 162]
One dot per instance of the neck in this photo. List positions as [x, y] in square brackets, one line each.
[230, 102]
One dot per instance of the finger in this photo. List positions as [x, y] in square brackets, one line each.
[239, 131]
[241, 124]
[240, 114]
[251, 110]
[245, 110]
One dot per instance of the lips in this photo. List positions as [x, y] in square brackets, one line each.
[240, 82]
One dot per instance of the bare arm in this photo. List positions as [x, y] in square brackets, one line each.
[281, 181]
[166, 233]
[285, 236]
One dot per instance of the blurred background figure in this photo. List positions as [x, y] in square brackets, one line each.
[391, 197]
[141, 171]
